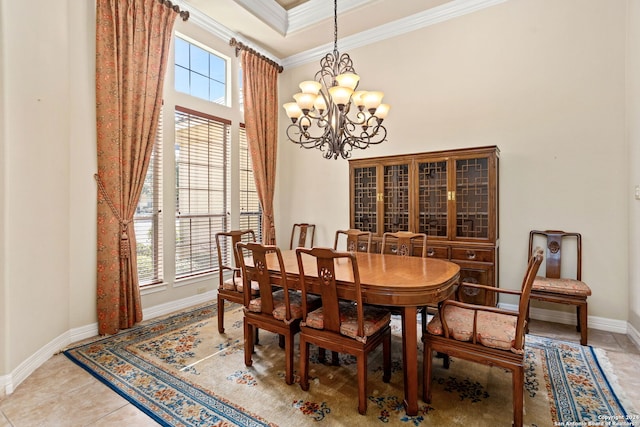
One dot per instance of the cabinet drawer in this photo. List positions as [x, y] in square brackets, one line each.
[472, 254]
[441, 252]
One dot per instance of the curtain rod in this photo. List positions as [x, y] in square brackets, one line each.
[241, 46]
[184, 14]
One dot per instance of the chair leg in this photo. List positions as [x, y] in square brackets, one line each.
[248, 343]
[335, 358]
[582, 323]
[288, 350]
[427, 366]
[518, 396]
[362, 383]
[220, 314]
[304, 365]
[386, 358]
[322, 354]
[281, 341]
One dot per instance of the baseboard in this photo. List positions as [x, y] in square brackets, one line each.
[634, 335]
[170, 307]
[8, 383]
[567, 318]
[27, 367]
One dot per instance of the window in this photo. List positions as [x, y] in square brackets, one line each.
[199, 72]
[250, 210]
[147, 220]
[202, 144]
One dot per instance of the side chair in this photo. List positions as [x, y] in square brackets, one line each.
[554, 288]
[356, 240]
[483, 334]
[345, 326]
[276, 310]
[406, 243]
[302, 235]
[232, 288]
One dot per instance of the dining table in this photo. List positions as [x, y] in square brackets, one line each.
[406, 283]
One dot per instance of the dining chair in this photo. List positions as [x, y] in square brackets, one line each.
[554, 288]
[302, 235]
[232, 288]
[406, 243]
[483, 334]
[277, 310]
[340, 325]
[356, 240]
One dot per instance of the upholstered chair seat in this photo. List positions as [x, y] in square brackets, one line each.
[562, 286]
[495, 330]
[374, 320]
[280, 307]
[236, 283]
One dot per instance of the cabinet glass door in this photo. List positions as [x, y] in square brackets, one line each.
[472, 198]
[396, 198]
[365, 198]
[432, 198]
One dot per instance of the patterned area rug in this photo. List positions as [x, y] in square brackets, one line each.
[181, 372]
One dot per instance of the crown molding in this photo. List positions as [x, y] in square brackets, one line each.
[309, 11]
[314, 11]
[429, 17]
[270, 12]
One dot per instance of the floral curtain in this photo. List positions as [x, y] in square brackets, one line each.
[260, 87]
[132, 45]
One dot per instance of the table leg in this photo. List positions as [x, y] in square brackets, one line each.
[410, 359]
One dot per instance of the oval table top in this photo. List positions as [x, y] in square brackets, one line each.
[385, 279]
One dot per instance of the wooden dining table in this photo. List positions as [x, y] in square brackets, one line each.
[389, 280]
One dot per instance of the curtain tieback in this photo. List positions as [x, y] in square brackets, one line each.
[125, 246]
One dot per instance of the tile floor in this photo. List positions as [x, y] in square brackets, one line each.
[59, 393]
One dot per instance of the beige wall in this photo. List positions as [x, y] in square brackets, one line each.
[36, 172]
[4, 341]
[543, 80]
[633, 125]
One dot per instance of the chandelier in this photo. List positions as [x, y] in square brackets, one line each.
[321, 114]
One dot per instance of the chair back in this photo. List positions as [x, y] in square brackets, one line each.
[404, 243]
[527, 282]
[226, 241]
[253, 262]
[554, 240]
[357, 240]
[302, 235]
[325, 274]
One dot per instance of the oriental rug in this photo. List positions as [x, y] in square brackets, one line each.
[181, 372]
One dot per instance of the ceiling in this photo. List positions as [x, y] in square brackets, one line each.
[286, 29]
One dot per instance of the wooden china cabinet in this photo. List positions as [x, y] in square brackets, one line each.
[452, 196]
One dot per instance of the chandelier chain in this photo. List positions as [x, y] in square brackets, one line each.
[335, 25]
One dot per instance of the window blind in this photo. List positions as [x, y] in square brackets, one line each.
[147, 220]
[202, 145]
[250, 210]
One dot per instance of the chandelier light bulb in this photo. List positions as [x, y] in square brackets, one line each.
[305, 101]
[349, 80]
[382, 111]
[372, 100]
[293, 111]
[310, 86]
[357, 99]
[320, 104]
[340, 95]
